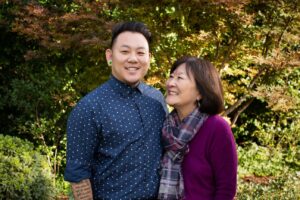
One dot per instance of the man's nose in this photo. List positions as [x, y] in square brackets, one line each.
[132, 58]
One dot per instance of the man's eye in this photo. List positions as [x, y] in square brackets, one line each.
[141, 53]
[124, 51]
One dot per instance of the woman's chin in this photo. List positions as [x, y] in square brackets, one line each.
[170, 103]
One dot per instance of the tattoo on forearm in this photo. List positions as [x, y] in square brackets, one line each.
[82, 190]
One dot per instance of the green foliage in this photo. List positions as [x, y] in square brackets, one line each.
[284, 187]
[24, 172]
[42, 102]
[260, 161]
[265, 173]
[275, 129]
[63, 187]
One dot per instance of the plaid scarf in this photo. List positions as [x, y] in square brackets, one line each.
[176, 135]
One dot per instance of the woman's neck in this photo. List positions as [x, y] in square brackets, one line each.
[184, 112]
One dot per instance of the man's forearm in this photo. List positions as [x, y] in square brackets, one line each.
[82, 190]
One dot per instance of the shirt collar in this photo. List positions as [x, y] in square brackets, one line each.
[124, 89]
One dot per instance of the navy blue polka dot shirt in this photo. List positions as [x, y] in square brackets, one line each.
[113, 139]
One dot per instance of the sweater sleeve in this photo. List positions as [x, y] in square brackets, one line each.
[223, 158]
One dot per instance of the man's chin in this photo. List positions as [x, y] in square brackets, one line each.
[133, 83]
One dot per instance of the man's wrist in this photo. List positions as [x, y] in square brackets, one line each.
[82, 190]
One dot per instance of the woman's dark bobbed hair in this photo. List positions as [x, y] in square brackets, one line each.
[207, 81]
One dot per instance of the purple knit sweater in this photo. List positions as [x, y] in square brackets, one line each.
[210, 167]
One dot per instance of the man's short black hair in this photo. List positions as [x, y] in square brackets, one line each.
[137, 27]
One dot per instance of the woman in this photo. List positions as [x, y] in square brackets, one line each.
[200, 159]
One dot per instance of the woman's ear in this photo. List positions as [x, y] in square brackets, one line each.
[199, 97]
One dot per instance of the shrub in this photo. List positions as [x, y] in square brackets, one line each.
[24, 172]
[264, 173]
[261, 161]
[283, 187]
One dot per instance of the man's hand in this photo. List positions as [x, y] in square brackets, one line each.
[82, 190]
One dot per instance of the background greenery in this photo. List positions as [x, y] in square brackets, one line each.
[52, 53]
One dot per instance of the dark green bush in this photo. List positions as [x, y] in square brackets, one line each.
[24, 172]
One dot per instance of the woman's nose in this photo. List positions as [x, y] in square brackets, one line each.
[170, 82]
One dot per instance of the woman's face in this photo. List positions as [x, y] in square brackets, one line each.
[182, 92]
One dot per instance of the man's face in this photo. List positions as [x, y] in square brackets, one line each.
[130, 57]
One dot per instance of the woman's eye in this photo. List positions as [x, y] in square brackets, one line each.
[141, 53]
[124, 51]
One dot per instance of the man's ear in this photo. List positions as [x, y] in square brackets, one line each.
[108, 55]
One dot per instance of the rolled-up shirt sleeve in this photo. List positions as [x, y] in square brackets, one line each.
[82, 139]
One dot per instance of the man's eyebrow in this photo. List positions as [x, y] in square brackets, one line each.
[127, 46]
[141, 48]
[124, 45]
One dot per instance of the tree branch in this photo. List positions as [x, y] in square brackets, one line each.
[290, 19]
[240, 110]
[244, 97]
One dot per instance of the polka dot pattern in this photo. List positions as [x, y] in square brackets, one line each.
[113, 138]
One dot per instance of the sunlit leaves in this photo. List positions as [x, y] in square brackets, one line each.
[277, 97]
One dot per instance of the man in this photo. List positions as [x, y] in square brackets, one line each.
[113, 133]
